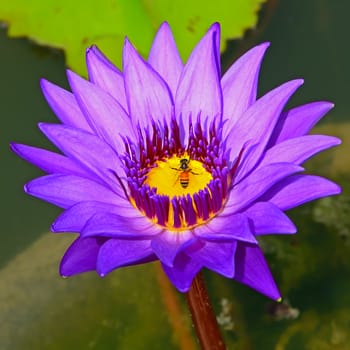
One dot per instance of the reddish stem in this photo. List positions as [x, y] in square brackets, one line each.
[203, 317]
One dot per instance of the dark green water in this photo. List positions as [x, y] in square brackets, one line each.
[126, 310]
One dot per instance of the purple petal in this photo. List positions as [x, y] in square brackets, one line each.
[218, 257]
[299, 121]
[298, 149]
[299, 189]
[258, 122]
[89, 151]
[199, 90]
[252, 270]
[164, 57]
[121, 252]
[81, 256]
[48, 161]
[226, 228]
[147, 93]
[256, 184]
[105, 115]
[183, 272]
[239, 85]
[76, 217]
[117, 226]
[64, 105]
[170, 243]
[67, 190]
[104, 74]
[266, 218]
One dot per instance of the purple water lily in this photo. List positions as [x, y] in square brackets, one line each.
[172, 162]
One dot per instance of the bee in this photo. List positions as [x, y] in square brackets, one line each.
[185, 171]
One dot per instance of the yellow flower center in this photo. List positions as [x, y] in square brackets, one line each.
[177, 187]
[178, 176]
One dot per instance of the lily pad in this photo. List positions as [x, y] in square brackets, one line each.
[74, 25]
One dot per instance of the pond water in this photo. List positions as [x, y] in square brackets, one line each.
[136, 308]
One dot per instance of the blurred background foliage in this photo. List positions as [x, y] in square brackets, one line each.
[136, 308]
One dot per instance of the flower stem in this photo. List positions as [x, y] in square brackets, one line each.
[203, 317]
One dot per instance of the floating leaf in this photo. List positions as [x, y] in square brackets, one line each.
[75, 25]
[126, 310]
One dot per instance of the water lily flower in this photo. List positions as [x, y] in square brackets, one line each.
[172, 162]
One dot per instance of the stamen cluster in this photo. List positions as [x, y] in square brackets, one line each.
[161, 143]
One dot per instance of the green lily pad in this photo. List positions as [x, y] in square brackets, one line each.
[74, 25]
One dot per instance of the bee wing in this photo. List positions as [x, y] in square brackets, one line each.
[177, 177]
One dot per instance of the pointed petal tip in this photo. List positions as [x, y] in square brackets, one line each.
[293, 229]
[297, 168]
[322, 105]
[54, 228]
[286, 89]
[183, 289]
[259, 51]
[329, 105]
[330, 141]
[43, 82]
[90, 54]
[230, 275]
[273, 294]
[45, 127]
[42, 126]
[45, 86]
[333, 189]
[129, 52]
[214, 32]
[14, 147]
[62, 271]
[101, 270]
[127, 44]
[265, 44]
[337, 189]
[337, 141]
[93, 52]
[71, 76]
[92, 49]
[164, 26]
[291, 84]
[26, 188]
[297, 82]
[261, 47]
[74, 79]
[215, 27]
